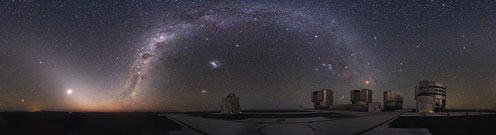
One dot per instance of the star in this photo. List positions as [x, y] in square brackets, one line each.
[162, 50]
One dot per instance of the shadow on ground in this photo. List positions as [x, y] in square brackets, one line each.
[63, 123]
[268, 115]
[450, 125]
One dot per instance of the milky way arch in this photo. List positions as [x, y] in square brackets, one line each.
[185, 20]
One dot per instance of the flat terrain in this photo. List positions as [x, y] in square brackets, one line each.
[63, 123]
[271, 115]
[260, 122]
[450, 125]
[317, 122]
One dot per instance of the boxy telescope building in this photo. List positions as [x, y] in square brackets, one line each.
[363, 96]
[430, 96]
[393, 100]
[322, 99]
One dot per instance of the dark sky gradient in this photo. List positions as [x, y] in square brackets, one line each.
[150, 55]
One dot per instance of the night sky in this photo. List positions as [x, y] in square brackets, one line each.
[176, 55]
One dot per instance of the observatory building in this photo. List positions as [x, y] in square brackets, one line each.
[361, 100]
[430, 96]
[393, 100]
[230, 105]
[322, 99]
[362, 96]
[425, 104]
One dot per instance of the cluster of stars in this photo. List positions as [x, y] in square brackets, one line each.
[151, 53]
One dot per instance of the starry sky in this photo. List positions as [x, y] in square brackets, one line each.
[187, 55]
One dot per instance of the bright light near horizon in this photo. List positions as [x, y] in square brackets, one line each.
[69, 92]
